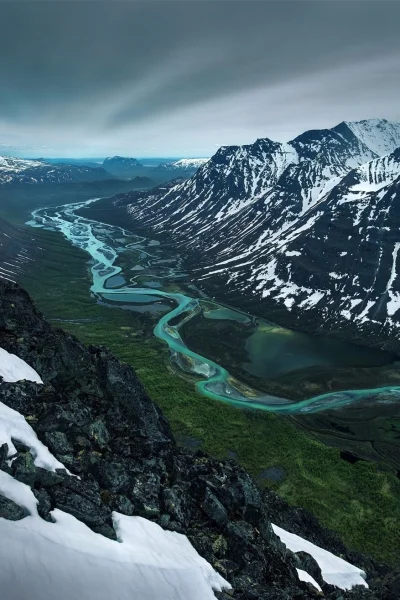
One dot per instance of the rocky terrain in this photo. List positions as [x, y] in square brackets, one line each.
[302, 232]
[95, 417]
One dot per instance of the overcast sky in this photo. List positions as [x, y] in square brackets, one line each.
[181, 78]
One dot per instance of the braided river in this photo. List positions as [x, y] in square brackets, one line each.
[105, 243]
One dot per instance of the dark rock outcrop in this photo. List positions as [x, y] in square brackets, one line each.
[95, 416]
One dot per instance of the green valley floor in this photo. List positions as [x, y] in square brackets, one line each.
[360, 501]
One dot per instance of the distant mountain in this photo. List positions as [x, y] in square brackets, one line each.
[17, 170]
[184, 164]
[269, 225]
[142, 182]
[121, 165]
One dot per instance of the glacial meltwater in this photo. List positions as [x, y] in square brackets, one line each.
[135, 287]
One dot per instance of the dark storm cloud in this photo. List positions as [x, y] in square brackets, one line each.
[178, 77]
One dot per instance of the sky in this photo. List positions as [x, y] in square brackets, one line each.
[184, 77]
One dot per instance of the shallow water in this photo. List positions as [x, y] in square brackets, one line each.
[104, 243]
[274, 351]
[227, 313]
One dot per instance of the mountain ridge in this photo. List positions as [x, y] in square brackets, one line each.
[27, 171]
[248, 202]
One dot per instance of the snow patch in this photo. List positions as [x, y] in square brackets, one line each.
[13, 426]
[304, 576]
[14, 369]
[335, 570]
[42, 561]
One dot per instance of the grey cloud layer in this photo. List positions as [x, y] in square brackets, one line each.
[172, 77]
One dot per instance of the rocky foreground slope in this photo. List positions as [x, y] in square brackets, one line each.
[96, 419]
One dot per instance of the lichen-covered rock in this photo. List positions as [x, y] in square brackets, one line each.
[98, 433]
[57, 442]
[145, 495]
[307, 563]
[24, 468]
[214, 509]
[10, 510]
[44, 505]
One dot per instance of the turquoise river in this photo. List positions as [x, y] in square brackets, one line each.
[104, 243]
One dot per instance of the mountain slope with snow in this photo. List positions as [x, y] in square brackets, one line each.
[380, 135]
[183, 164]
[17, 170]
[266, 224]
[338, 263]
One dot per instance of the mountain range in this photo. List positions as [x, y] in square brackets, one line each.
[19, 170]
[122, 166]
[304, 232]
[43, 171]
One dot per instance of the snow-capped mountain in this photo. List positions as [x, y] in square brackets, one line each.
[264, 224]
[17, 170]
[339, 260]
[183, 164]
[380, 135]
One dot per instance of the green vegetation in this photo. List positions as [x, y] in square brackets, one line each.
[359, 501]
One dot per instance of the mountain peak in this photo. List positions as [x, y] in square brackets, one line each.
[379, 135]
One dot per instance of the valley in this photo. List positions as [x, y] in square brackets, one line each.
[302, 233]
[199, 300]
[132, 286]
[277, 453]
[210, 358]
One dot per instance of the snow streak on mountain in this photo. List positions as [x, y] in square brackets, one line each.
[307, 228]
[184, 164]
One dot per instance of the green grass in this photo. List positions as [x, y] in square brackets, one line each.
[361, 501]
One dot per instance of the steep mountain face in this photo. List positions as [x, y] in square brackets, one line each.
[17, 250]
[121, 165]
[271, 224]
[91, 417]
[380, 135]
[16, 170]
[184, 164]
[339, 261]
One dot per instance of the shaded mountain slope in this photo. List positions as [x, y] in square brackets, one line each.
[271, 226]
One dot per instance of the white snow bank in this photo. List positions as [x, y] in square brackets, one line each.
[335, 570]
[18, 492]
[14, 369]
[14, 426]
[304, 576]
[65, 560]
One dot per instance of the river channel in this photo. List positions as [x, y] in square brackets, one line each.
[106, 243]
